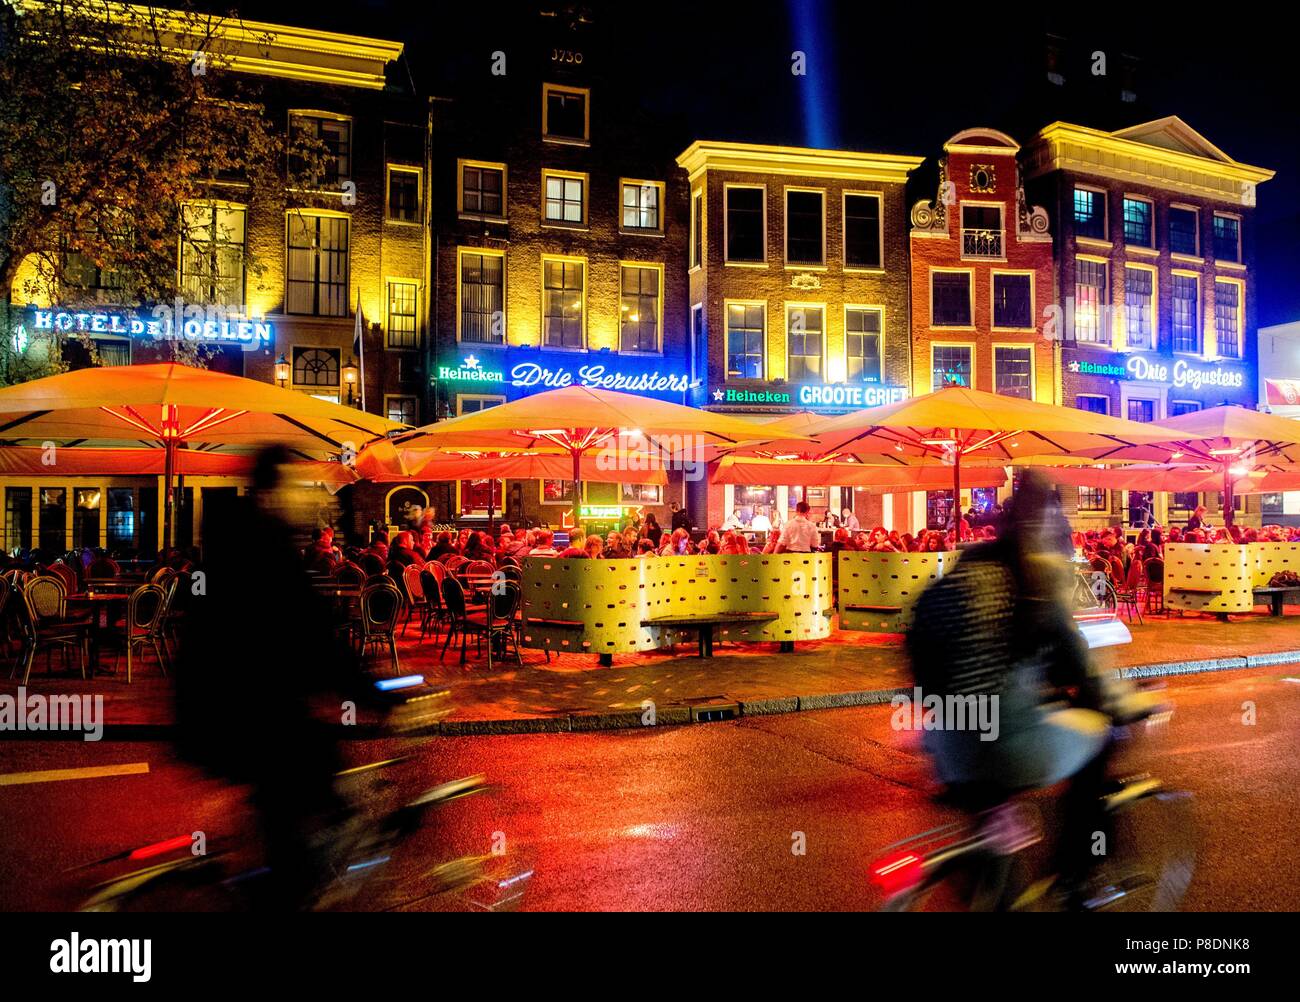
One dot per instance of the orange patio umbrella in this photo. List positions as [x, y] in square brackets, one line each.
[958, 423]
[886, 479]
[169, 406]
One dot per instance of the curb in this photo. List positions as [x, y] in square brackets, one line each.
[676, 715]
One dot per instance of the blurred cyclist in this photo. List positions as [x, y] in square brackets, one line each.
[998, 625]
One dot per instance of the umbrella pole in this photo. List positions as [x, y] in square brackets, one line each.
[577, 487]
[1229, 515]
[956, 494]
[169, 472]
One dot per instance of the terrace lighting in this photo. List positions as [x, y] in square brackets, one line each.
[349, 373]
[281, 370]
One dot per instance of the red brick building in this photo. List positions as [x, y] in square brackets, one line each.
[982, 281]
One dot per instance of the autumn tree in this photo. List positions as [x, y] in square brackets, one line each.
[118, 125]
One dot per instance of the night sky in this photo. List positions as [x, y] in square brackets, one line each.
[900, 79]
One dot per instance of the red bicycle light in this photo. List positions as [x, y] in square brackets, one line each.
[896, 872]
[158, 848]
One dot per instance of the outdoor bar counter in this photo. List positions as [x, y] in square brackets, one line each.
[608, 607]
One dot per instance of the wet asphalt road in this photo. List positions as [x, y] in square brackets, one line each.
[699, 817]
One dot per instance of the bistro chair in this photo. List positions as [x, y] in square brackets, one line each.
[1155, 585]
[497, 623]
[381, 604]
[433, 613]
[1130, 596]
[158, 573]
[66, 574]
[103, 568]
[145, 610]
[372, 564]
[348, 575]
[453, 600]
[44, 625]
[411, 580]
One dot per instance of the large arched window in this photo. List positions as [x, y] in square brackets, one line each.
[315, 367]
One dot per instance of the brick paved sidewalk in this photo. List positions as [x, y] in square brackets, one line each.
[574, 685]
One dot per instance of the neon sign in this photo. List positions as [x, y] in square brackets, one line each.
[632, 375]
[470, 371]
[1185, 374]
[249, 333]
[850, 396]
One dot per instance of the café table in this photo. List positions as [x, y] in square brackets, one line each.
[103, 606]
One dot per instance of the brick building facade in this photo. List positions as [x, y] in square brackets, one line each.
[982, 282]
[798, 292]
[1154, 236]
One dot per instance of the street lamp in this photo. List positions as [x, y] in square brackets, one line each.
[282, 370]
[350, 376]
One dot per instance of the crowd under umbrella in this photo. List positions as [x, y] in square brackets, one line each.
[958, 426]
[1231, 441]
[169, 407]
[580, 421]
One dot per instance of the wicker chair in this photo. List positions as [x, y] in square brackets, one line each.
[349, 575]
[45, 624]
[143, 627]
[498, 622]
[411, 582]
[381, 605]
[434, 613]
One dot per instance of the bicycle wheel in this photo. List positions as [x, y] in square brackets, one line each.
[1153, 858]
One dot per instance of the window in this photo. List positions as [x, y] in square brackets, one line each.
[1227, 318]
[1012, 301]
[1090, 213]
[315, 367]
[950, 299]
[477, 496]
[981, 231]
[1138, 283]
[1013, 372]
[1183, 226]
[308, 133]
[564, 113]
[1091, 298]
[565, 199]
[121, 517]
[746, 337]
[745, 237]
[1184, 322]
[804, 331]
[1180, 407]
[1184, 500]
[563, 292]
[1094, 499]
[212, 254]
[862, 231]
[1272, 504]
[641, 202]
[18, 517]
[699, 344]
[862, 329]
[641, 494]
[1092, 403]
[113, 351]
[697, 229]
[639, 309]
[804, 243]
[403, 308]
[483, 189]
[1141, 410]
[403, 409]
[1227, 238]
[482, 297]
[318, 265]
[950, 366]
[1137, 222]
[472, 403]
[403, 194]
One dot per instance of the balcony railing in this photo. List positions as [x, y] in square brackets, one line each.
[981, 243]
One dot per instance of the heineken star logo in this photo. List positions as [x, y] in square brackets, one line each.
[471, 362]
[717, 394]
[1074, 366]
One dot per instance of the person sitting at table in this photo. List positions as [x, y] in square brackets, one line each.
[442, 545]
[645, 547]
[402, 552]
[681, 539]
[103, 566]
[544, 547]
[650, 530]
[595, 546]
[479, 547]
[577, 548]
[524, 541]
[773, 538]
[734, 542]
[379, 546]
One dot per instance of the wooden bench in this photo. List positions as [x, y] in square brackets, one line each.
[703, 626]
[1274, 597]
[873, 608]
[1184, 590]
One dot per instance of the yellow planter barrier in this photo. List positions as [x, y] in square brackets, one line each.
[1271, 558]
[877, 591]
[1211, 577]
[597, 606]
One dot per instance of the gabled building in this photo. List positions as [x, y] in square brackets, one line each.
[1154, 234]
[982, 284]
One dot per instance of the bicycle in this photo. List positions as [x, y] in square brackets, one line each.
[362, 858]
[973, 864]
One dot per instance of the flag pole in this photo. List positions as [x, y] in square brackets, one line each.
[361, 347]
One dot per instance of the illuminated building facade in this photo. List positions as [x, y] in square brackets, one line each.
[274, 291]
[560, 253]
[1156, 291]
[982, 283]
[798, 295]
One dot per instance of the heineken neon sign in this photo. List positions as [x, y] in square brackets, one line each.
[215, 329]
[470, 371]
[1181, 374]
[852, 396]
[530, 375]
